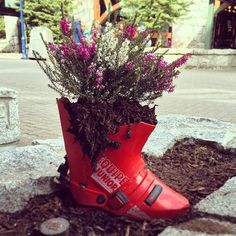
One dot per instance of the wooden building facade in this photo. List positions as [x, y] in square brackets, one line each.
[220, 25]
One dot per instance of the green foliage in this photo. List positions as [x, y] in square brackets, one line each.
[155, 14]
[2, 27]
[46, 13]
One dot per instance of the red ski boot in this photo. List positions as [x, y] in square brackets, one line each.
[120, 184]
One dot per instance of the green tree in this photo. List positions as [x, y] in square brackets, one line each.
[46, 13]
[155, 14]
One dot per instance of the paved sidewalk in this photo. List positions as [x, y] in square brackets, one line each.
[204, 93]
[13, 56]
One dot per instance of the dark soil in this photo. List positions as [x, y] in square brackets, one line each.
[91, 122]
[192, 167]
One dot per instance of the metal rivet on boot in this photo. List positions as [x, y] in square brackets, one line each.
[55, 226]
[101, 199]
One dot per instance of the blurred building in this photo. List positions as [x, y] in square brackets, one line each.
[208, 24]
[10, 42]
[95, 10]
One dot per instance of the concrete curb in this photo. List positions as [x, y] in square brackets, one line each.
[28, 171]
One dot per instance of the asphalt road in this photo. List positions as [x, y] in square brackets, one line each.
[205, 93]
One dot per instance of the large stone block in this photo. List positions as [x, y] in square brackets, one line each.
[201, 227]
[175, 127]
[203, 58]
[9, 117]
[222, 201]
[29, 171]
[11, 34]
[26, 172]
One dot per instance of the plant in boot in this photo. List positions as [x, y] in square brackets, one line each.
[102, 81]
[109, 74]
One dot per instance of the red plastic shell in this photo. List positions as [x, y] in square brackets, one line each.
[121, 184]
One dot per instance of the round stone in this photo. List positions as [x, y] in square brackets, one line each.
[54, 226]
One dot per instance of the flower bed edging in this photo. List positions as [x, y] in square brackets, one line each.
[26, 172]
[44, 158]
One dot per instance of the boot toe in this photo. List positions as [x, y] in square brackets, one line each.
[168, 204]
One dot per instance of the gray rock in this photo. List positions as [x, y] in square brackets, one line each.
[201, 227]
[55, 144]
[7, 93]
[222, 201]
[172, 128]
[28, 171]
[25, 173]
[9, 118]
[231, 143]
[8, 147]
[159, 141]
[175, 127]
[171, 231]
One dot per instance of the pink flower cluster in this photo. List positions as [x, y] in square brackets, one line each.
[52, 47]
[166, 84]
[150, 57]
[130, 32]
[92, 68]
[162, 64]
[129, 66]
[86, 50]
[181, 61]
[64, 49]
[99, 79]
[83, 52]
[150, 73]
[65, 27]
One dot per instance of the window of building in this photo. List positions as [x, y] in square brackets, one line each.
[225, 28]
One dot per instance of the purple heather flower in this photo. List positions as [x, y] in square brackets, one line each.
[171, 89]
[129, 65]
[162, 64]
[92, 48]
[181, 61]
[130, 32]
[99, 79]
[83, 52]
[65, 27]
[86, 50]
[52, 47]
[166, 84]
[150, 57]
[92, 68]
[64, 49]
[72, 44]
[83, 39]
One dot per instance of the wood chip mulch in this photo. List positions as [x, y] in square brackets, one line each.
[195, 168]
